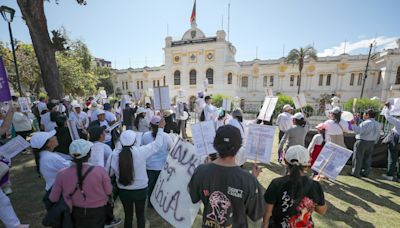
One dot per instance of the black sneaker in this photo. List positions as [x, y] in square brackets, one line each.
[114, 222]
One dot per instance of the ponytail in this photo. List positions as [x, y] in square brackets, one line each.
[296, 182]
[79, 165]
[126, 172]
[137, 120]
[154, 130]
[337, 117]
[36, 154]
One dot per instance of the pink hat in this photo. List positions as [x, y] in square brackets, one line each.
[321, 126]
[155, 120]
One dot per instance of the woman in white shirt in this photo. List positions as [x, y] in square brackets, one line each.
[156, 162]
[129, 167]
[22, 124]
[140, 123]
[48, 162]
[99, 151]
[335, 127]
[237, 121]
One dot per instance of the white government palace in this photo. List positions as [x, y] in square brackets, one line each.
[196, 58]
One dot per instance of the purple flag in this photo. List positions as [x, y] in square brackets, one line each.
[5, 94]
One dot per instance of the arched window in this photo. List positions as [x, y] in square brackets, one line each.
[245, 81]
[352, 79]
[360, 78]
[230, 79]
[271, 81]
[192, 77]
[177, 77]
[398, 76]
[210, 76]
[265, 81]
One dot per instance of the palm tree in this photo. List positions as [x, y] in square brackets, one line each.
[297, 56]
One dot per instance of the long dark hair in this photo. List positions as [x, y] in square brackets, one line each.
[337, 117]
[79, 164]
[154, 130]
[36, 154]
[296, 182]
[138, 117]
[300, 122]
[125, 162]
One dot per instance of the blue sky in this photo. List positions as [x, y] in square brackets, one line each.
[129, 32]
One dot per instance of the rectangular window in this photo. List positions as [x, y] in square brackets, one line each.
[321, 80]
[123, 86]
[291, 80]
[141, 84]
[164, 81]
[328, 79]
[158, 83]
[126, 85]
[298, 80]
[265, 81]
[137, 85]
[379, 78]
[359, 81]
[245, 82]
[352, 79]
[271, 81]
[154, 83]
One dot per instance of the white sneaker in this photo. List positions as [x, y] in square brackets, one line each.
[386, 177]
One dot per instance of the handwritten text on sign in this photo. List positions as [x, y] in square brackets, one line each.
[331, 160]
[170, 197]
[260, 139]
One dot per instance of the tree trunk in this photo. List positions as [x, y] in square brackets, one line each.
[33, 14]
[298, 89]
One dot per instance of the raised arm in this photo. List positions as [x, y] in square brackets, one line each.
[153, 147]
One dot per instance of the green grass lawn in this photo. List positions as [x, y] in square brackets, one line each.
[367, 202]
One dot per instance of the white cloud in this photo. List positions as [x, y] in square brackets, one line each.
[381, 43]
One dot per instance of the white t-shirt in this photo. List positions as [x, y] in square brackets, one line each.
[45, 120]
[50, 164]
[108, 134]
[110, 117]
[284, 121]
[81, 119]
[210, 112]
[99, 154]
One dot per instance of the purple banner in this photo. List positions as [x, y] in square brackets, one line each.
[5, 94]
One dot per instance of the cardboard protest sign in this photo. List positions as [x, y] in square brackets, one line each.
[260, 139]
[24, 104]
[331, 160]
[73, 131]
[13, 147]
[203, 134]
[268, 108]
[5, 94]
[226, 104]
[300, 101]
[161, 98]
[170, 197]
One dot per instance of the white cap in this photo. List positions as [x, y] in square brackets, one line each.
[127, 138]
[286, 107]
[335, 110]
[298, 116]
[93, 104]
[99, 112]
[76, 105]
[140, 110]
[79, 148]
[297, 155]
[40, 138]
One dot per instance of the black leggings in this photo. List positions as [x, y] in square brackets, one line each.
[137, 199]
[89, 217]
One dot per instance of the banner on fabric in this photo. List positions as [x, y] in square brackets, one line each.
[331, 160]
[203, 134]
[268, 108]
[259, 142]
[5, 94]
[170, 197]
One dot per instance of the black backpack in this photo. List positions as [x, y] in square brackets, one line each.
[202, 116]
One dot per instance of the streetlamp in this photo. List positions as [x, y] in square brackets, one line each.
[8, 15]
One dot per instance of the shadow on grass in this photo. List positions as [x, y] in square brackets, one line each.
[369, 196]
[349, 217]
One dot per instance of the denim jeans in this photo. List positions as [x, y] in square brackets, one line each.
[393, 158]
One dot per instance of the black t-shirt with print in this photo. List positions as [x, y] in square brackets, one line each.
[229, 195]
[285, 214]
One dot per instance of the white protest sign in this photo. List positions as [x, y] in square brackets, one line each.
[170, 197]
[161, 98]
[268, 108]
[226, 104]
[205, 83]
[13, 147]
[73, 131]
[203, 134]
[24, 104]
[112, 127]
[331, 160]
[269, 92]
[300, 101]
[354, 105]
[260, 139]
[103, 94]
